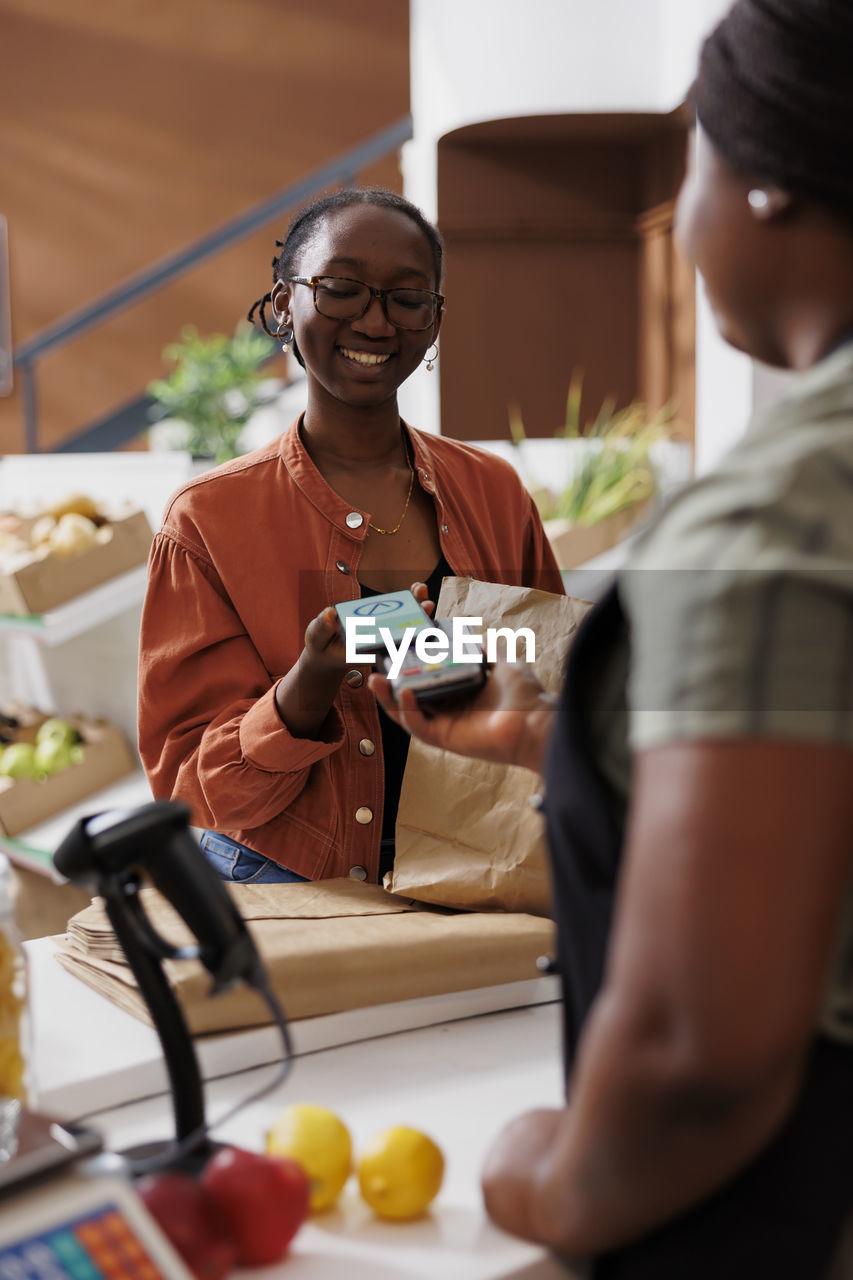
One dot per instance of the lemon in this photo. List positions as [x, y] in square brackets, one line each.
[400, 1172]
[318, 1140]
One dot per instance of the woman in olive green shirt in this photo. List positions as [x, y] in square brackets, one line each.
[700, 767]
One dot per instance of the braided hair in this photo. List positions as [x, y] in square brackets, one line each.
[301, 228]
[774, 94]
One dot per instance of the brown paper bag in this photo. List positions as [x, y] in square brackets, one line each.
[328, 947]
[467, 834]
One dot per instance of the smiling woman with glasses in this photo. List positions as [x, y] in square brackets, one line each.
[341, 298]
[248, 710]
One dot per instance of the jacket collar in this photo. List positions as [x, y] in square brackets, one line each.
[330, 504]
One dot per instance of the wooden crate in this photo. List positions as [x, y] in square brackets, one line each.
[37, 585]
[24, 803]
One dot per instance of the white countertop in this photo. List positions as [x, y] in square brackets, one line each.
[92, 1055]
[459, 1081]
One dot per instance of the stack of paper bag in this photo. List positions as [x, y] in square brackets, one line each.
[467, 833]
[328, 946]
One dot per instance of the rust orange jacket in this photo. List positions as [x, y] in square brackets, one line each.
[246, 556]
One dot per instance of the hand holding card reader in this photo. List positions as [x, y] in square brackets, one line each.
[414, 651]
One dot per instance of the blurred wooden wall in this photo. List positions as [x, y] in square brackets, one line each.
[561, 262]
[129, 129]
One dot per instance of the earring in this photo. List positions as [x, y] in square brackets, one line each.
[758, 199]
[429, 360]
[285, 337]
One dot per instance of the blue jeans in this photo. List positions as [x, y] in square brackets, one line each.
[233, 861]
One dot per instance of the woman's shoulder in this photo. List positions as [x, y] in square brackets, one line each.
[768, 502]
[739, 597]
[472, 458]
[225, 489]
[784, 489]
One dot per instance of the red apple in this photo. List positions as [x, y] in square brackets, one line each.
[263, 1200]
[189, 1219]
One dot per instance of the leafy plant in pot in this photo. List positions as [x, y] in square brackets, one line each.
[613, 479]
[214, 388]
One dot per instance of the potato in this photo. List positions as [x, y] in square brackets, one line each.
[74, 503]
[41, 530]
[73, 533]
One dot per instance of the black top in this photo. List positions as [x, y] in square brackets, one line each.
[584, 829]
[395, 741]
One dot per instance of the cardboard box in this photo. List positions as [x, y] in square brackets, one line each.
[38, 584]
[43, 907]
[106, 757]
[575, 544]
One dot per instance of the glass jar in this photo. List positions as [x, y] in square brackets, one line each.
[13, 988]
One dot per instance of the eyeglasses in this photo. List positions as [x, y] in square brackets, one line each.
[339, 298]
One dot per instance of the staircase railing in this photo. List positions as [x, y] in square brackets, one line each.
[338, 172]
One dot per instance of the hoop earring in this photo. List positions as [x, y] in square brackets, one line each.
[429, 360]
[285, 337]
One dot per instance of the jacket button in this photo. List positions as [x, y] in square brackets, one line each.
[367, 747]
[364, 815]
[355, 679]
[355, 520]
[358, 873]
[342, 566]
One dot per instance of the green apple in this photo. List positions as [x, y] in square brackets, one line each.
[57, 730]
[53, 755]
[18, 761]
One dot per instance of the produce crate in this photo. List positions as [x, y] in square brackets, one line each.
[37, 584]
[106, 757]
[575, 544]
[42, 907]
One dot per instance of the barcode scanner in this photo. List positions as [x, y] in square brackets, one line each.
[110, 853]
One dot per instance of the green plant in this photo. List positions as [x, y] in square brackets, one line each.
[214, 387]
[616, 471]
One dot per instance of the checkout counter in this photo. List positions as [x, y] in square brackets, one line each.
[457, 1066]
[460, 1078]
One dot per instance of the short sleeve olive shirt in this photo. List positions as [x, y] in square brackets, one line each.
[739, 604]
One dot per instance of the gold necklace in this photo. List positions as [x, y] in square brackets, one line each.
[375, 527]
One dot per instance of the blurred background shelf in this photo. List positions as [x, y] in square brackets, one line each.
[44, 901]
[81, 614]
[34, 848]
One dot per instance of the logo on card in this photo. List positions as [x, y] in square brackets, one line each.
[377, 608]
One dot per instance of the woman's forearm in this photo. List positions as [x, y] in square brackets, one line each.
[730, 901]
[304, 697]
[641, 1140]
